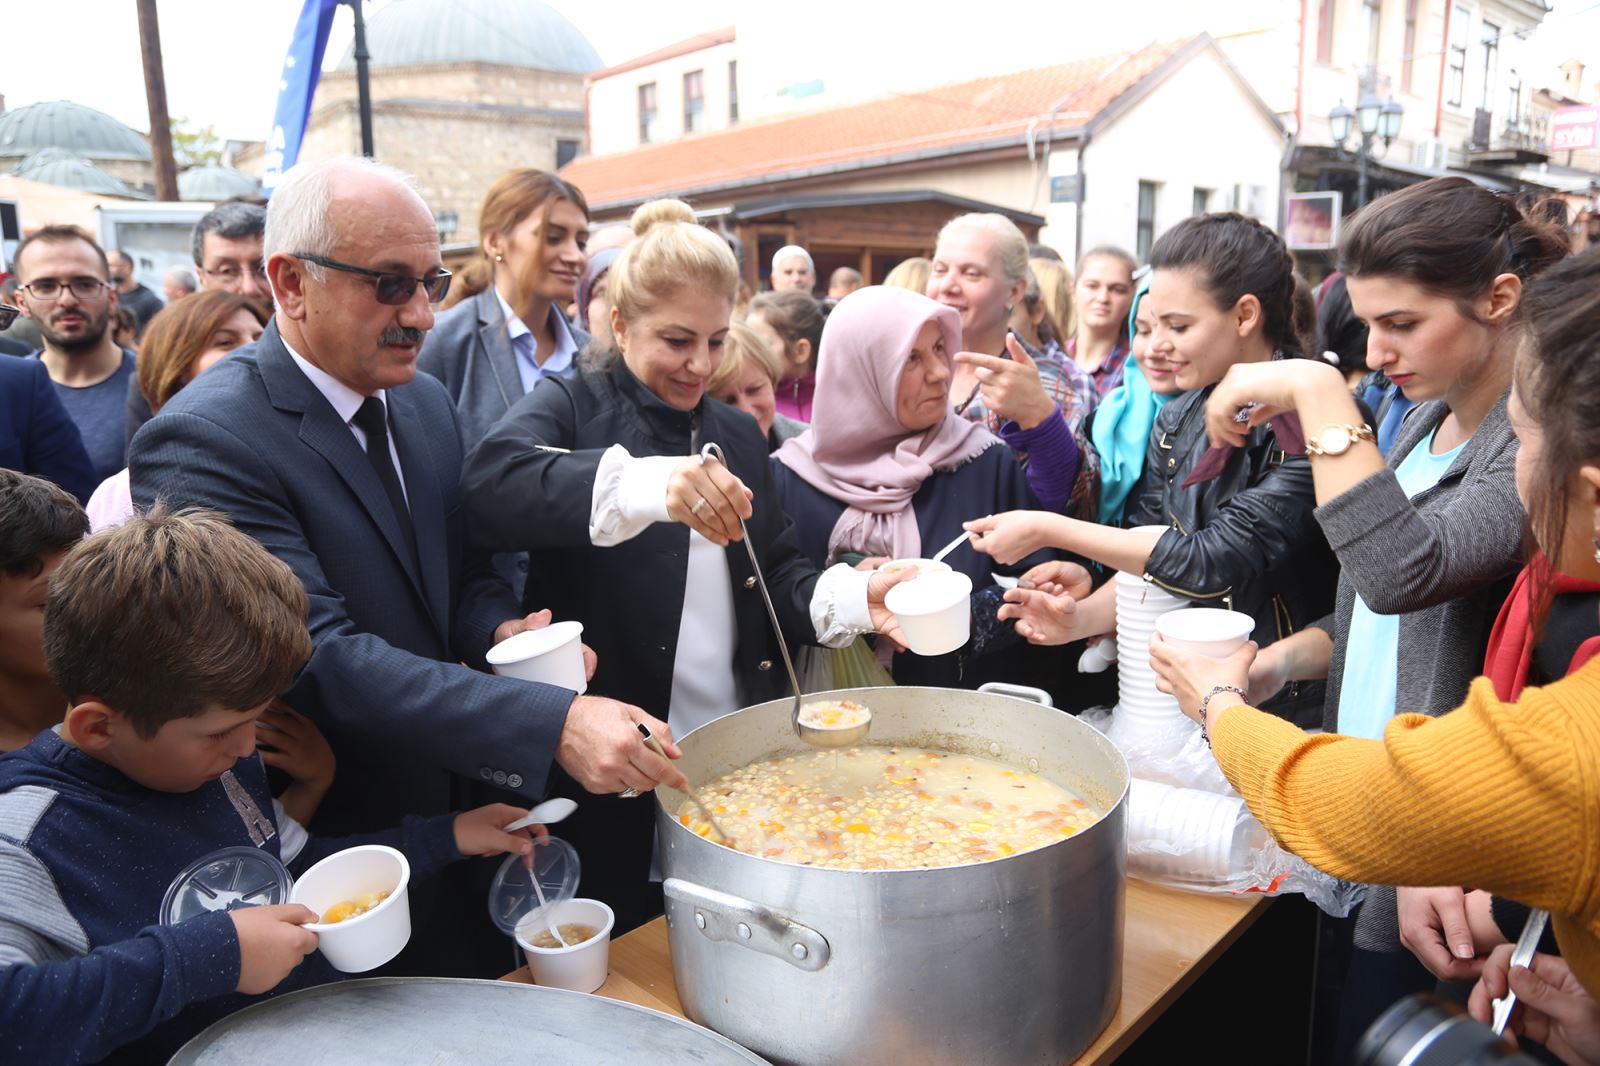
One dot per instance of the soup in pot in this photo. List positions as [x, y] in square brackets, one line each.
[887, 808]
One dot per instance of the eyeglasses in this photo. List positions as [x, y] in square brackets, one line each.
[47, 289]
[391, 289]
[231, 274]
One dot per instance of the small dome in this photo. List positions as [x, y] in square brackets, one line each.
[515, 33]
[57, 166]
[213, 182]
[82, 131]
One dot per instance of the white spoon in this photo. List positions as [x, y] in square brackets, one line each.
[549, 812]
[952, 546]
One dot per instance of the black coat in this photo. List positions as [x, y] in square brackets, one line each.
[522, 496]
[1248, 540]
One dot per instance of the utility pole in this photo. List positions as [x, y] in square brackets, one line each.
[155, 95]
[363, 89]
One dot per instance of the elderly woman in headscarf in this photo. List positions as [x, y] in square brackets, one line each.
[888, 469]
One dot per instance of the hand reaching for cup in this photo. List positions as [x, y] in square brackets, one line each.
[538, 620]
[1189, 676]
[705, 496]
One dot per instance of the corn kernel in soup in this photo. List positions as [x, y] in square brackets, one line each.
[887, 808]
[834, 714]
[350, 908]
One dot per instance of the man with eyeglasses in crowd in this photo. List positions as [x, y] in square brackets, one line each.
[64, 285]
[323, 442]
[131, 293]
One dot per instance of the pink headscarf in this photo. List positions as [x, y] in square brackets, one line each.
[856, 450]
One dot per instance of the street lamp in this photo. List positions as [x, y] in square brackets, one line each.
[1376, 120]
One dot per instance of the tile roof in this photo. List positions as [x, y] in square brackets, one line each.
[945, 120]
[699, 42]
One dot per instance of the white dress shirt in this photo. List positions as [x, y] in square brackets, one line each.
[346, 402]
[524, 345]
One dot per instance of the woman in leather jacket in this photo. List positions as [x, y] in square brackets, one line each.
[1224, 528]
[600, 478]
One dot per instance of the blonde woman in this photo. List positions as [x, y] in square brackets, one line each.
[599, 478]
[748, 379]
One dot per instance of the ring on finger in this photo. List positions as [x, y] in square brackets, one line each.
[629, 793]
[698, 504]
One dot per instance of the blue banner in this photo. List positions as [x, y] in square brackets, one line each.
[296, 86]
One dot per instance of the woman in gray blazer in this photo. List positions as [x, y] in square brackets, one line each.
[507, 330]
[1426, 541]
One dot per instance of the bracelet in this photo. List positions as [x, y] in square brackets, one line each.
[1206, 703]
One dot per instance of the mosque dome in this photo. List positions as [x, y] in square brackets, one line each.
[516, 33]
[213, 182]
[81, 131]
[57, 166]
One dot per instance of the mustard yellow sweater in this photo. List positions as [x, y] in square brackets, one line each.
[1499, 796]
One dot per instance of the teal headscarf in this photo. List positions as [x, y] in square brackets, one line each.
[1121, 430]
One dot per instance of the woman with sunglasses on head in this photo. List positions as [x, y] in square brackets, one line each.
[505, 330]
[1500, 793]
[1226, 529]
[631, 530]
[1428, 539]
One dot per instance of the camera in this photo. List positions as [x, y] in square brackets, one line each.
[1423, 1030]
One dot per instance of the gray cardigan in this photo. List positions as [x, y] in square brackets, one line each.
[1442, 561]
[469, 350]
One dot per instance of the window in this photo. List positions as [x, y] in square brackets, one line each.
[1145, 234]
[647, 112]
[1372, 13]
[1491, 60]
[1202, 200]
[1407, 60]
[1514, 114]
[1325, 31]
[566, 152]
[1456, 61]
[694, 100]
[733, 91]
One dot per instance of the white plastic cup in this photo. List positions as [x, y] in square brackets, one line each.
[580, 968]
[923, 566]
[934, 611]
[1207, 631]
[552, 655]
[368, 940]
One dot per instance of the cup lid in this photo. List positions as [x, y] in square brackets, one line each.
[533, 642]
[511, 895]
[223, 880]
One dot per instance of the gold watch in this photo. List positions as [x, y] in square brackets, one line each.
[1335, 440]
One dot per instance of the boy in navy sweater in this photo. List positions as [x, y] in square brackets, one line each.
[169, 635]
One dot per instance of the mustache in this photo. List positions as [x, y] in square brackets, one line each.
[402, 335]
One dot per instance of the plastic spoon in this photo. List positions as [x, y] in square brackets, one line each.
[538, 890]
[549, 812]
[1521, 955]
[952, 546]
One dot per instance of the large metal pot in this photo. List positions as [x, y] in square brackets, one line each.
[1017, 960]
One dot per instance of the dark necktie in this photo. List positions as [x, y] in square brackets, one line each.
[371, 420]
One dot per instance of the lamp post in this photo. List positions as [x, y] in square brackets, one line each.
[363, 89]
[1374, 120]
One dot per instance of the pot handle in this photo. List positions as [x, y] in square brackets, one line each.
[721, 916]
[1021, 692]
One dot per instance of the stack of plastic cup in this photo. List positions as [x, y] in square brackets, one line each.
[1143, 713]
[1184, 834]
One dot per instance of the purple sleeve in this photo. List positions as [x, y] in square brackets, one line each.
[1052, 458]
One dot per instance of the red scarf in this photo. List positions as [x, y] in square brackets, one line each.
[1512, 642]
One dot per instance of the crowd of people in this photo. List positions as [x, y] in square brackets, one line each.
[249, 573]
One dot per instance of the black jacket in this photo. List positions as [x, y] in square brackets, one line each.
[629, 596]
[1247, 540]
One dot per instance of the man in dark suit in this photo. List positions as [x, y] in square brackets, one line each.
[37, 436]
[322, 442]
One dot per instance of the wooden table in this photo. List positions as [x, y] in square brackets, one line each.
[1170, 939]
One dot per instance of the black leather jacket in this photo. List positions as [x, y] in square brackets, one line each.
[1247, 541]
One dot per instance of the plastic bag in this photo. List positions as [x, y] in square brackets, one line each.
[853, 666]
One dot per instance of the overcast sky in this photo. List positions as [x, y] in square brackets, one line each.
[222, 57]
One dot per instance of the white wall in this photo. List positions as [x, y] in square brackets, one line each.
[1198, 128]
[614, 100]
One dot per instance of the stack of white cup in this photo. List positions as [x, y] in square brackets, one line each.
[1143, 712]
[1184, 834]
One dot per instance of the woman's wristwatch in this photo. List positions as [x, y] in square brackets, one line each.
[1336, 439]
[1205, 704]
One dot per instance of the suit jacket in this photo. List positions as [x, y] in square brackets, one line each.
[469, 350]
[254, 438]
[37, 436]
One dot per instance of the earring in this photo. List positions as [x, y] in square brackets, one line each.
[1009, 307]
[499, 259]
[1597, 549]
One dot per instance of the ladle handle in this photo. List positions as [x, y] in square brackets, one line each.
[712, 451]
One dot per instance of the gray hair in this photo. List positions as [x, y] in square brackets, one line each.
[1009, 243]
[297, 214]
[234, 220]
[183, 278]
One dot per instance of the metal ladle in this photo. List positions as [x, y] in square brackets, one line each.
[816, 736]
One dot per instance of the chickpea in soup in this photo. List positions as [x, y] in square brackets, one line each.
[888, 808]
[574, 933]
[350, 908]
